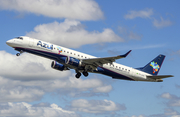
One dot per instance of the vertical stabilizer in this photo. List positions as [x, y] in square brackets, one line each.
[154, 66]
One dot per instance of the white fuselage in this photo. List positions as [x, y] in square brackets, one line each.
[54, 52]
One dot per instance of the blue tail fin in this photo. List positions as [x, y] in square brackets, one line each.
[154, 66]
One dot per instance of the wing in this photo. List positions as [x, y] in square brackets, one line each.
[95, 62]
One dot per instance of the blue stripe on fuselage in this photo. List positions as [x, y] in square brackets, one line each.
[114, 74]
[61, 59]
[50, 55]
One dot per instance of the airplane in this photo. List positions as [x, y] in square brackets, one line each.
[66, 59]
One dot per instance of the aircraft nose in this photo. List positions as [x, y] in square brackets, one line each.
[9, 42]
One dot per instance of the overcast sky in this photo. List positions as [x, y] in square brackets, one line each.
[30, 87]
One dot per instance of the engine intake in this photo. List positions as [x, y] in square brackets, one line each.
[58, 66]
[73, 61]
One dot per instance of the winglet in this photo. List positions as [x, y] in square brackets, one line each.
[126, 54]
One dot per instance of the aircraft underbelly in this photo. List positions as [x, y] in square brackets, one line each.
[115, 75]
[57, 58]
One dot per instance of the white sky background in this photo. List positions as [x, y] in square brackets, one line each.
[30, 87]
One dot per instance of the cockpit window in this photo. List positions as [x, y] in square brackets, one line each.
[19, 38]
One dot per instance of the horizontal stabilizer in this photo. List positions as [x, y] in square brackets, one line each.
[160, 76]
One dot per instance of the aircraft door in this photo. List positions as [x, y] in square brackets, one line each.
[31, 42]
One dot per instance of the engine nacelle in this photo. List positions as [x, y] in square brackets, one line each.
[73, 61]
[58, 66]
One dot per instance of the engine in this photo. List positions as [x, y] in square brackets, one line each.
[58, 66]
[73, 61]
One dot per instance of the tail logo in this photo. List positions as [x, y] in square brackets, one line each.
[59, 50]
[155, 66]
